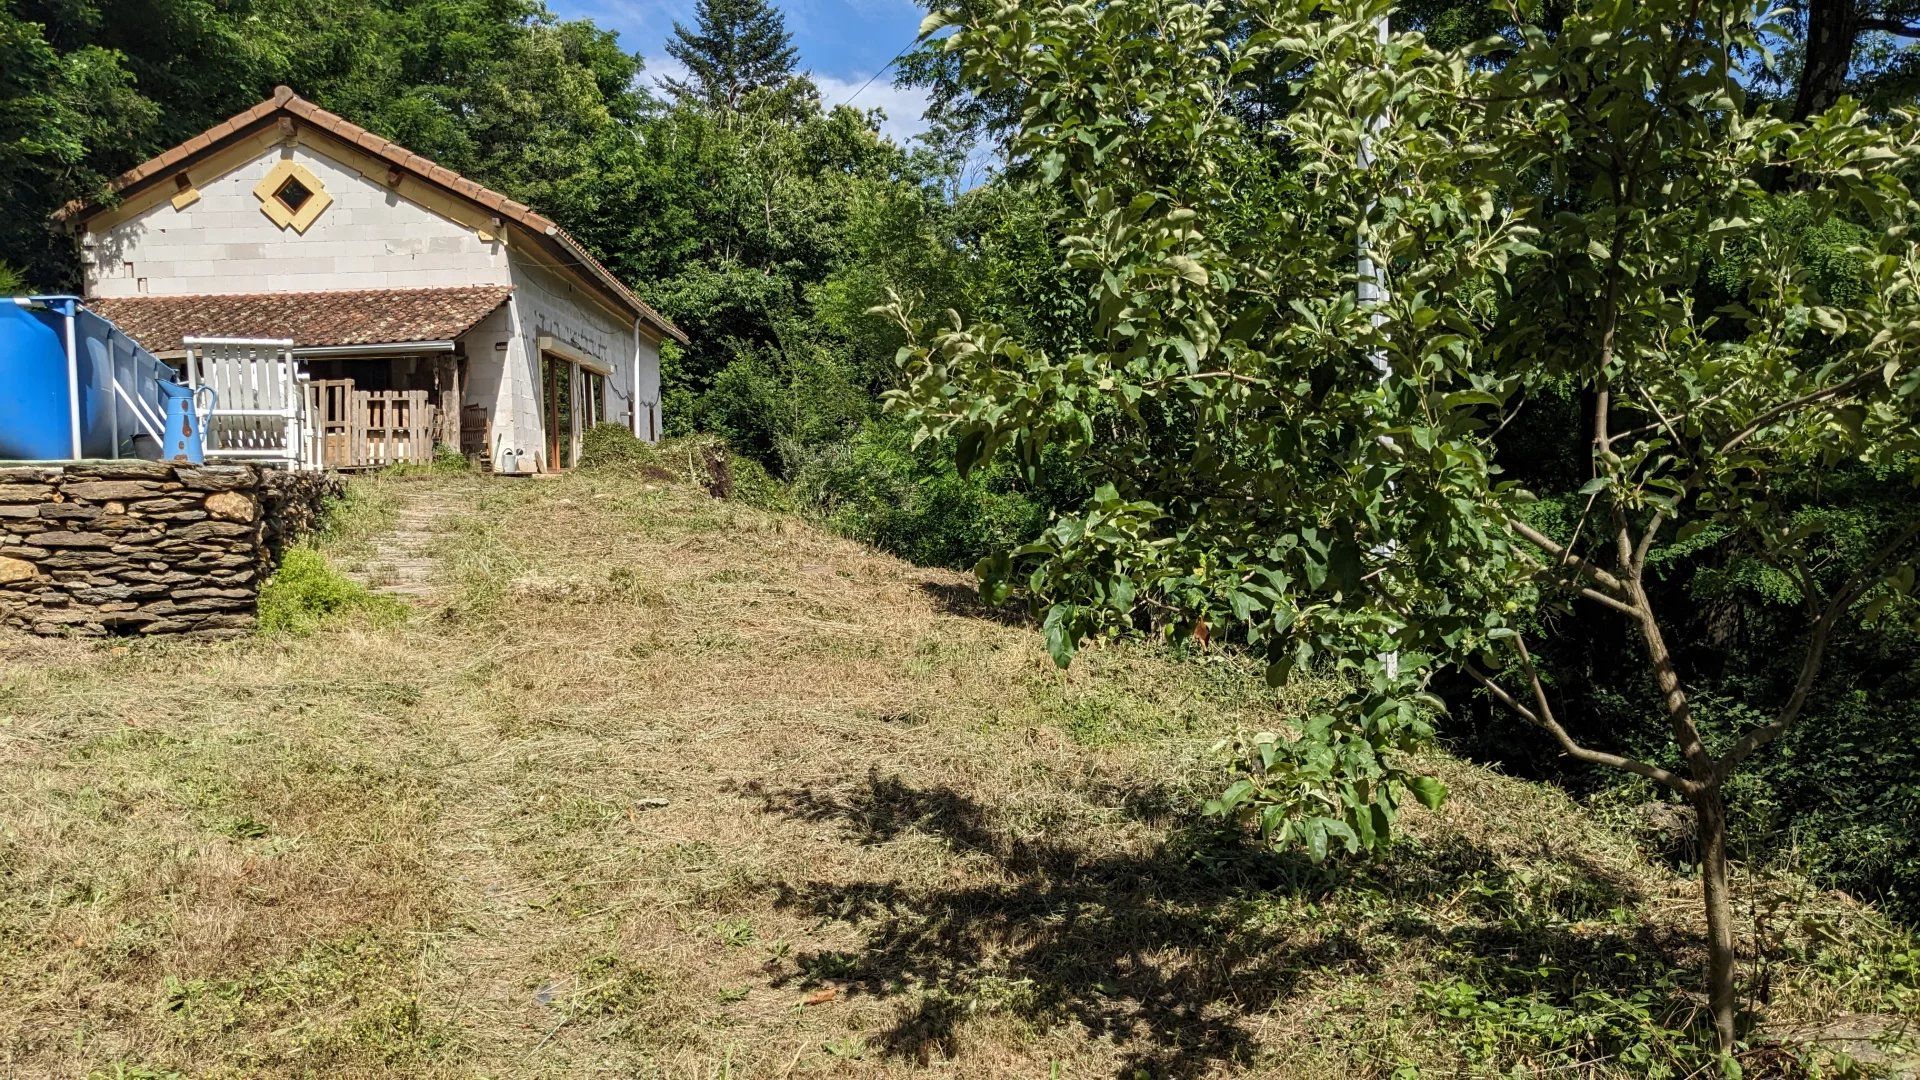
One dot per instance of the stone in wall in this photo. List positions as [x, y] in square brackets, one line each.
[140, 547]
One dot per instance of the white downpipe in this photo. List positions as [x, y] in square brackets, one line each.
[633, 403]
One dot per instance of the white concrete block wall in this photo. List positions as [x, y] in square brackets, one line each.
[489, 348]
[649, 418]
[369, 238]
[549, 305]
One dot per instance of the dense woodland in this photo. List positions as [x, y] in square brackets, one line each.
[770, 224]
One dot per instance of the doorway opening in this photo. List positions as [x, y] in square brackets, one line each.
[557, 395]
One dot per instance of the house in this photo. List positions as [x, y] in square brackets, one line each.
[395, 278]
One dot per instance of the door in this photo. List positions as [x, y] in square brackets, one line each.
[557, 399]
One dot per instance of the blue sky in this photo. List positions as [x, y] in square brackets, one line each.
[843, 42]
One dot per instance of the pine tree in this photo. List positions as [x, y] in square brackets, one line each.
[739, 46]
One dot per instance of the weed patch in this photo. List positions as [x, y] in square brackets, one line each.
[446, 461]
[306, 591]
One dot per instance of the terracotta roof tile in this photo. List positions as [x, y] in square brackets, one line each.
[285, 100]
[349, 317]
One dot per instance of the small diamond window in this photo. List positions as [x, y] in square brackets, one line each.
[293, 194]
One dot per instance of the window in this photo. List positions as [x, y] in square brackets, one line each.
[293, 194]
[596, 398]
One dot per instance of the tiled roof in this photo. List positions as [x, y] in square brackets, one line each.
[286, 104]
[347, 317]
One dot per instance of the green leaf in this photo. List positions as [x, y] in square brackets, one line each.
[1430, 791]
[1348, 838]
[1188, 269]
[1315, 834]
[1062, 638]
[968, 451]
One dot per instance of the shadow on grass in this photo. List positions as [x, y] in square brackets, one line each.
[965, 601]
[1169, 949]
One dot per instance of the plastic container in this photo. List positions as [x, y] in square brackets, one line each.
[182, 437]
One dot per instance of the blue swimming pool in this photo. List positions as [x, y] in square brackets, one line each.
[72, 385]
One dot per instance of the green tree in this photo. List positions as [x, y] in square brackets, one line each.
[1280, 464]
[738, 46]
[751, 229]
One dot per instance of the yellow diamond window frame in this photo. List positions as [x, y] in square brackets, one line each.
[268, 192]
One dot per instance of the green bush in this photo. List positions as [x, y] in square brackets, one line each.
[306, 591]
[755, 486]
[880, 489]
[610, 446]
[706, 461]
[768, 399]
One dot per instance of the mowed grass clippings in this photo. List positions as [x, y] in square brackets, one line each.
[663, 786]
[214, 856]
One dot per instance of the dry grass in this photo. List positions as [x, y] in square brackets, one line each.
[670, 787]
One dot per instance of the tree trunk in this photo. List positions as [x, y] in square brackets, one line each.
[1833, 28]
[1712, 813]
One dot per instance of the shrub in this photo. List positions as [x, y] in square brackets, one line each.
[706, 461]
[880, 489]
[716, 465]
[612, 446]
[306, 591]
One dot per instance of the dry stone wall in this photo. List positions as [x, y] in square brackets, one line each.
[141, 547]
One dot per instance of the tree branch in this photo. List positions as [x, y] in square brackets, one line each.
[1599, 597]
[1844, 598]
[1586, 592]
[1533, 676]
[1768, 416]
[1891, 26]
[1567, 558]
[1680, 785]
[1645, 545]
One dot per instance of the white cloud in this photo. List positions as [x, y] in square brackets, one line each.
[905, 109]
[661, 67]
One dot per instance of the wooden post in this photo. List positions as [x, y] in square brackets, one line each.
[446, 387]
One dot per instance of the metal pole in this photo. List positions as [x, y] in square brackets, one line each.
[71, 309]
[113, 407]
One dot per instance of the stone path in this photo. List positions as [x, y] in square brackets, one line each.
[402, 563]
